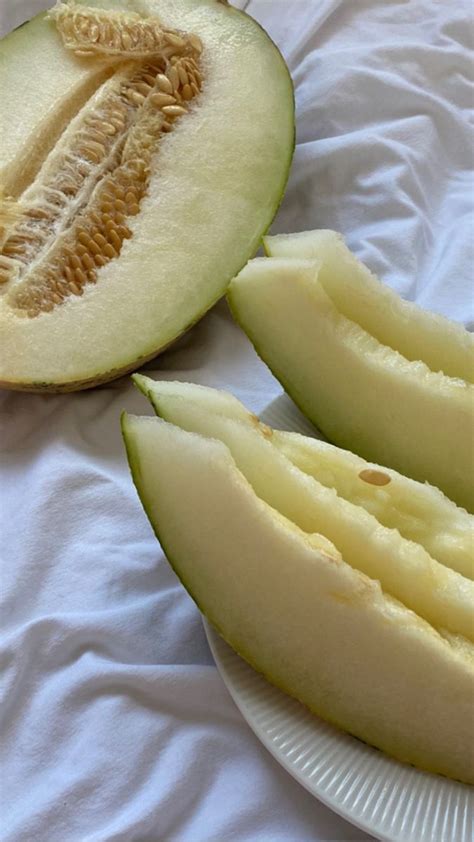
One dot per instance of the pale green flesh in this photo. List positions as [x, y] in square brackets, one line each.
[202, 219]
[419, 512]
[26, 142]
[364, 396]
[356, 293]
[310, 623]
[404, 569]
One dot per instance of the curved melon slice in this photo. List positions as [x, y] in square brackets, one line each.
[420, 513]
[360, 296]
[363, 395]
[313, 625]
[405, 570]
[132, 219]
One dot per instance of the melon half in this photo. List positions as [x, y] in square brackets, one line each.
[288, 602]
[145, 149]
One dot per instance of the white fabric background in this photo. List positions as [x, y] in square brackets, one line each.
[115, 723]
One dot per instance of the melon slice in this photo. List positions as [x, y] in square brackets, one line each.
[420, 512]
[314, 626]
[124, 215]
[404, 568]
[360, 296]
[362, 394]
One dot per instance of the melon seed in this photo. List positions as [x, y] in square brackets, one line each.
[374, 477]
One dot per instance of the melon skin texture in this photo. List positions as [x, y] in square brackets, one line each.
[201, 218]
[419, 512]
[309, 622]
[363, 395]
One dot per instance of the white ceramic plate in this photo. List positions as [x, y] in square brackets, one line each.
[390, 800]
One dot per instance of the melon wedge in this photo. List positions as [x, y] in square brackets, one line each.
[362, 394]
[120, 150]
[405, 570]
[314, 626]
[420, 513]
[360, 296]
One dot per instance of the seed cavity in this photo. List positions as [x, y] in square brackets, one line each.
[374, 477]
[114, 34]
[73, 219]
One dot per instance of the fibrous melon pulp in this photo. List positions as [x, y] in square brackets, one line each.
[123, 214]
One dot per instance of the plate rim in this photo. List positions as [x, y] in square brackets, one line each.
[217, 644]
[214, 640]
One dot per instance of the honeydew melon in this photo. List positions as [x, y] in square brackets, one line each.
[362, 394]
[359, 295]
[314, 626]
[417, 510]
[420, 513]
[122, 124]
[404, 568]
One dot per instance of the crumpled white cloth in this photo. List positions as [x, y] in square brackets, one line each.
[115, 725]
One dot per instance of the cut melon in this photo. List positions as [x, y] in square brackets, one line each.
[121, 131]
[363, 395]
[404, 568]
[420, 512]
[314, 626]
[360, 296]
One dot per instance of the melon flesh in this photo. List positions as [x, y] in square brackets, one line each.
[363, 395]
[360, 296]
[314, 626]
[420, 513]
[187, 217]
[404, 569]
[35, 111]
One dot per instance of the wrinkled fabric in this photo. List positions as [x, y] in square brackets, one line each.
[115, 724]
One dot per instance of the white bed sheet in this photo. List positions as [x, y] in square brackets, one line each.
[115, 723]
